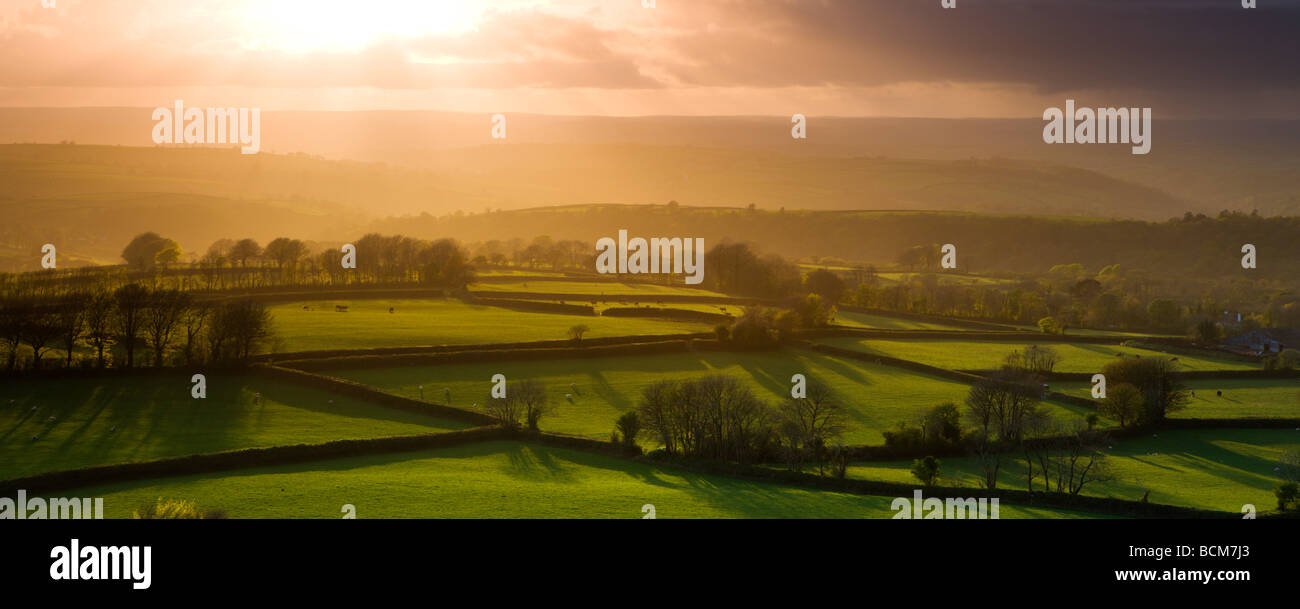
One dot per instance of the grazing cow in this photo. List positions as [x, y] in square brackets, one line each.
[391, 310]
[1218, 393]
[341, 308]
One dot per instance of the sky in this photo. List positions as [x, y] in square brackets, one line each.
[984, 58]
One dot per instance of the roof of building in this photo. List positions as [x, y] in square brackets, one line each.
[1286, 336]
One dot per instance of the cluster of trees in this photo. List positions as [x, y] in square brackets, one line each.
[1069, 297]
[718, 417]
[1036, 359]
[164, 326]
[1005, 418]
[1192, 247]
[524, 403]
[1116, 304]
[1003, 421]
[1005, 415]
[1288, 359]
[244, 263]
[763, 327]
[541, 252]
[1142, 391]
[734, 268]
[379, 259]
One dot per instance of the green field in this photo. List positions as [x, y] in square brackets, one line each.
[496, 480]
[882, 322]
[416, 323]
[946, 278]
[733, 310]
[115, 420]
[1219, 469]
[1245, 398]
[984, 355]
[878, 397]
[610, 288]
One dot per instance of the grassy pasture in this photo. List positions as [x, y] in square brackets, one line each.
[414, 323]
[882, 322]
[972, 355]
[878, 397]
[1265, 398]
[1219, 469]
[609, 288]
[115, 420]
[946, 278]
[496, 480]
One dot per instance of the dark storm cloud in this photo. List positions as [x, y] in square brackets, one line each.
[1159, 47]
[1051, 45]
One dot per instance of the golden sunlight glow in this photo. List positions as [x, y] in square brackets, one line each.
[338, 25]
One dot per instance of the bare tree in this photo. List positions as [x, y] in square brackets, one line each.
[1082, 462]
[1000, 407]
[99, 324]
[812, 423]
[576, 332]
[72, 312]
[194, 320]
[13, 323]
[507, 410]
[533, 402]
[248, 324]
[1037, 359]
[166, 308]
[43, 328]
[713, 417]
[130, 300]
[659, 409]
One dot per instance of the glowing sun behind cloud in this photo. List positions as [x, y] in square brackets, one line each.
[343, 25]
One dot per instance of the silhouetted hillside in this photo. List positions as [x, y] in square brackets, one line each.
[1213, 165]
